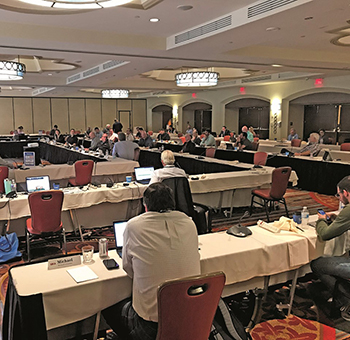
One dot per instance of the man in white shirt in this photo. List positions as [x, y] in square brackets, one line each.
[159, 245]
[124, 148]
[168, 159]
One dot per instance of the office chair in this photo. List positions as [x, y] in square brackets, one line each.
[201, 214]
[183, 139]
[83, 172]
[260, 158]
[295, 142]
[280, 178]
[136, 154]
[186, 307]
[210, 152]
[227, 138]
[150, 133]
[45, 221]
[4, 173]
[345, 147]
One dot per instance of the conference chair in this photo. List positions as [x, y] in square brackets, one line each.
[45, 221]
[295, 142]
[280, 179]
[256, 139]
[201, 214]
[210, 152]
[186, 307]
[150, 133]
[345, 147]
[4, 173]
[136, 154]
[83, 172]
[227, 138]
[260, 158]
[255, 146]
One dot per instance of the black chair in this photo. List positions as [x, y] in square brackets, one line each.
[201, 214]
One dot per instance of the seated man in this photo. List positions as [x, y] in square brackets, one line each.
[94, 141]
[169, 170]
[163, 135]
[188, 146]
[124, 148]
[159, 245]
[72, 139]
[293, 134]
[224, 132]
[312, 148]
[250, 136]
[329, 268]
[145, 139]
[103, 145]
[208, 139]
[195, 138]
[243, 143]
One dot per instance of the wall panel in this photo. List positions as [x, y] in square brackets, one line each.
[6, 114]
[41, 114]
[77, 114]
[23, 114]
[93, 113]
[109, 111]
[59, 108]
[139, 112]
[125, 119]
[124, 104]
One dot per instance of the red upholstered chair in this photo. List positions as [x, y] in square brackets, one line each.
[345, 147]
[256, 139]
[210, 152]
[295, 142]
[11, 132]
[183, 139]
[260, 158]
[280, 179]
[45, 221]
[83, 172]
[4, 173]
[201, 136]
[186, 307]
[227, 138]
[150, 133]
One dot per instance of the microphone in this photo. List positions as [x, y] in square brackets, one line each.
[246, 213]
[239, 230]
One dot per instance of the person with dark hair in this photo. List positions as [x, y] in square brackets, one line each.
[124, 148]
[195, 138]
[145, 139]
[98, 133]
[328, 269]
[188, 146]
[58, 137]
[117, 126]
[103, 145]
[224, 132]
[208, 139]
[138, 132]
[53, 131]
[72, 139]
[243, 142]
[162, 135]
[324, 139]
[159, 245]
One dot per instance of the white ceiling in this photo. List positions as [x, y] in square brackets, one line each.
[302, 42]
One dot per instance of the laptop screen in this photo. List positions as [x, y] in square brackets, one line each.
[39, 183]
[119, 228]
[142, 174]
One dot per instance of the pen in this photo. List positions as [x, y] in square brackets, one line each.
[301, 229]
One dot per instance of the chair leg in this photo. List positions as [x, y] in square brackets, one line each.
[64, 240]
[285, 206]
[267, 211]
[251, 205]
[28, 245]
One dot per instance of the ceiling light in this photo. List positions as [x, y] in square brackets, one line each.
[270, 29]
[78, 4]
[276, 65]
[154, 20]
[11, 70]
[115, 93]
[184, 7]
[193, 79]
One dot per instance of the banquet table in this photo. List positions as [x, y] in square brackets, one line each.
[58, 300]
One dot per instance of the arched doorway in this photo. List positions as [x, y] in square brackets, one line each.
[198, 115]
[161, 115]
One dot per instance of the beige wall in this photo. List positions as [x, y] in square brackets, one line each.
[42, 113]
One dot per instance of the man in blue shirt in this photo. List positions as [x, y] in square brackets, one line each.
[293, 134]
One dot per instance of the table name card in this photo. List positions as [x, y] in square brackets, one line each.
[64, 262]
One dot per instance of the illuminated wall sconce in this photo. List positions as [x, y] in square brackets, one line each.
[275, 109]
[175, 115]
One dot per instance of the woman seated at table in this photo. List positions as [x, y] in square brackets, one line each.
[58, 137]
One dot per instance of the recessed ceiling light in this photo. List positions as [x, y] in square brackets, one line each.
[270, 29]
[184, 7]
[49, 74]
[154, 20]
[276, 65]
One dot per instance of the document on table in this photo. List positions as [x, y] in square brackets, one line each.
[82, 274]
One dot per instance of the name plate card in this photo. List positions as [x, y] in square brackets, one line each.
[64, 262]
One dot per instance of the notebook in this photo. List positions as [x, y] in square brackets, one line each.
[144, 175]
[119, 228]
[39, 183]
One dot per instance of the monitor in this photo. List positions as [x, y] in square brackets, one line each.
[38, 183]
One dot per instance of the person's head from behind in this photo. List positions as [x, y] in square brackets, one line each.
[343, 190]
[314, 137]
[187, 137]
[158, 197]
[244, 129]
[121, 136]
[55, 127]
[167, 157]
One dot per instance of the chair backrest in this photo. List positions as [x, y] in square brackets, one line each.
[256, 139]
[295, 142]
[345, 147]
[227, 138]
[4, 173]
[136, 154]
[260, 158]
[45, 209]
[280, 179]
[255, 146]
[150, 133]
[210, 152]
[83, 171]
[182, 194]
[186, 307]
[183, 139]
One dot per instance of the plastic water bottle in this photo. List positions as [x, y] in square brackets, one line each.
[304, 216]
[13, 185]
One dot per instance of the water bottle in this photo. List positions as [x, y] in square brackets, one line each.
[13, 185]
[304, 216]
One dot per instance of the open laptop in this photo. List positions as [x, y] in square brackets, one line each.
[119, 228]
[144, 175]
[38, 183]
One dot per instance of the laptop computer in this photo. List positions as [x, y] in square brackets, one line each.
[118, 228]
[38, 183]
[144, 175]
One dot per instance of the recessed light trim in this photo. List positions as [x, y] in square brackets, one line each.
[154, 20]
[184, 7]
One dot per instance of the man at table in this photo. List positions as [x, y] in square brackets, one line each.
[250, 136]
[224, 132]
[145, 139]
[72, 139]
[170, 170]
[328, 269]
[208, 139]
[162, 135]
[293, 134]
[188, 146]
[94, 141]
[159, 245]
[312, 148]
[124, 148]
[243, 143]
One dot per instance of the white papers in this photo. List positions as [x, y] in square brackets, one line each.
[82, 274]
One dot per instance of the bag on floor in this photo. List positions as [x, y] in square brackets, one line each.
[9, 247]
[226, 326]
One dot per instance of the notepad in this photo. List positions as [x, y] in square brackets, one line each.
[82, 274]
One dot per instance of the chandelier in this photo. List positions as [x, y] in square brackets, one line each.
[115, 93]
[78, 4]
[11, 70]
[200, 78]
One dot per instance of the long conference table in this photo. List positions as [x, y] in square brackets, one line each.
[39, 300]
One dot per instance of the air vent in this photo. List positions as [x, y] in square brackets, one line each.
[42, 90]
[256, 79]
[204, 30]
[267, 6]
[108, 65]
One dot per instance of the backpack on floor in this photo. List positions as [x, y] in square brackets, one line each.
[226, 325]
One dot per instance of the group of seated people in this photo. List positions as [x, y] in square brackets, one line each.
[323, 138]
